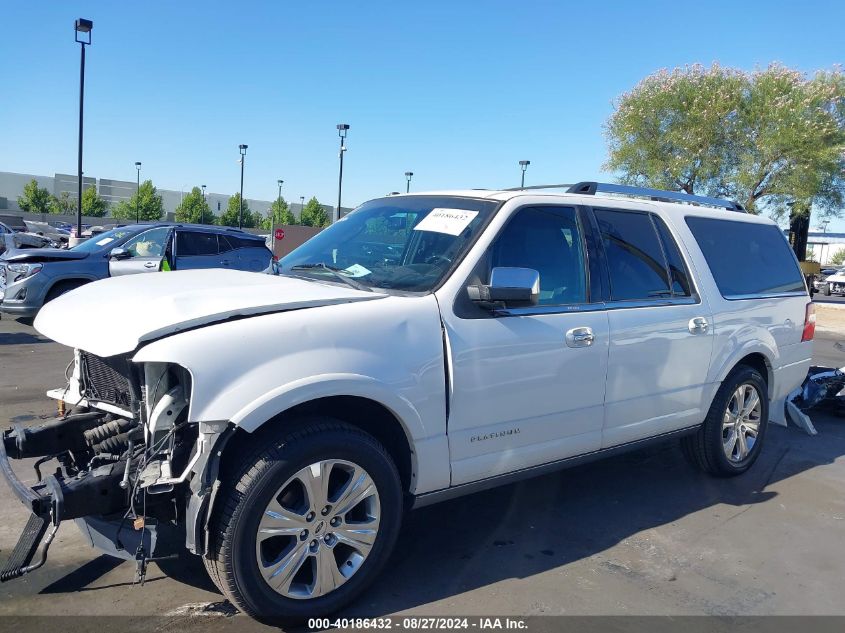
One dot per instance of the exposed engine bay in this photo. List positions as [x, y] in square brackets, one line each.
[118, 459]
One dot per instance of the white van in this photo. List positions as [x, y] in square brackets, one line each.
[425, 346]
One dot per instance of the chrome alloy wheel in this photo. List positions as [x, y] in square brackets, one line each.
[741, 423]
[318, 529]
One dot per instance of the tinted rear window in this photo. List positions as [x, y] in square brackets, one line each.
[635, 258]
[193, 243]
[238, 241]
[746, 258]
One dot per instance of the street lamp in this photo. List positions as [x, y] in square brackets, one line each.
[408, 176]
[278, 203]
[301, 206]
[523, 164]
[138, 193]
[342, 129]
[242, 148]
[81, 26]
[202, 208]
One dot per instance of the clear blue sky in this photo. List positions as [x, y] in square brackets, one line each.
[457, 92]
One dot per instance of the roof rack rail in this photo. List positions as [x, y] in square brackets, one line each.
[563, 186]
[591, 188]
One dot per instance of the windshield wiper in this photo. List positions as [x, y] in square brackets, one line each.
[336, 272]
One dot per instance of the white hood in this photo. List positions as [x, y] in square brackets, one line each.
[115, 315]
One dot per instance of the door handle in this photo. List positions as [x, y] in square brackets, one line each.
[226, 262]
[698, 325]
[580, 337]
[151, 265]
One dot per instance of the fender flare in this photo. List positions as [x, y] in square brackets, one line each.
[769, 353]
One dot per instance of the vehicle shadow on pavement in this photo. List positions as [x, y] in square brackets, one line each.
[21, 338]
[538, 525]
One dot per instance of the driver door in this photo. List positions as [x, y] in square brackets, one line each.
[147, 253]
[527, 384]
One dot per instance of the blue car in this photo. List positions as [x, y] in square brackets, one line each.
[31, 277]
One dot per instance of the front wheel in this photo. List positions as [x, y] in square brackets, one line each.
[826, 290]
[730, 440]
[308, 523]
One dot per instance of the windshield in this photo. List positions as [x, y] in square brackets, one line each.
[403, 243]
[102, 241]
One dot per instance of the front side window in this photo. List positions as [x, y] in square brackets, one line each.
[150, 243]
[747, 258]
[635, 259]
[405, 243]
[548, 240]
[194, 243]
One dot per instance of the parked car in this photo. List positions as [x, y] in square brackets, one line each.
[833, 284]
[30, 278]
[282, 424]
[59, 236]
[15, 240]
[13, 222]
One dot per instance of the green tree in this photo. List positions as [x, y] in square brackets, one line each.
[64, 204]
[838, 257]
[230, 215]
[35, 199]
[280, 212]
[146, 202]
[772, 139]
[194, 208]
[313, 214]
[92, 204]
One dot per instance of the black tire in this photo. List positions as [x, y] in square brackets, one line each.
[704, 449]
[826, 290]
[259, 473]
[61, 288]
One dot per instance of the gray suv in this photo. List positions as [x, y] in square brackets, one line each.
[32, 277]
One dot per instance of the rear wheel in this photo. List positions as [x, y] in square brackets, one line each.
[730, 440]
[307, 523]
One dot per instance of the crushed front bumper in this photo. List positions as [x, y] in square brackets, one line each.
[53, 500]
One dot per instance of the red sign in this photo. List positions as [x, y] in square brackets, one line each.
[280, 234]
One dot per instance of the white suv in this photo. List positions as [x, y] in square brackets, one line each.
[424, 347]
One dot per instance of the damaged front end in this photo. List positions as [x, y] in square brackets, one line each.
[120, 463]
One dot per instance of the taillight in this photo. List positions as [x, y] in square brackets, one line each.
[809, 323]
[275, 258]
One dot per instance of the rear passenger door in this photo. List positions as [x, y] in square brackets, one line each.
[661, 332]
[196, 250]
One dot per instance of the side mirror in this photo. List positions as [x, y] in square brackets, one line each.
[513, 287]
[119, 253]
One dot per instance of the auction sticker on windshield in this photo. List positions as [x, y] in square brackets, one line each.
[356, 270]
[449, 221]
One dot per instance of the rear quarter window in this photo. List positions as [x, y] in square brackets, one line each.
[747, 258]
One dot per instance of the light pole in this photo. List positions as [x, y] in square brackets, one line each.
[408, 176]
[342, 129]
[81, 26]
[301, 206]
[202, 208]
[242, 148]
[279, 199]
[138, 193]
[523, 164]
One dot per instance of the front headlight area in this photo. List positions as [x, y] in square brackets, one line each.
[19, 272]
[171, 440]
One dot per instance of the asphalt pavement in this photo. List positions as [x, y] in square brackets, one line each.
[640, 534]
